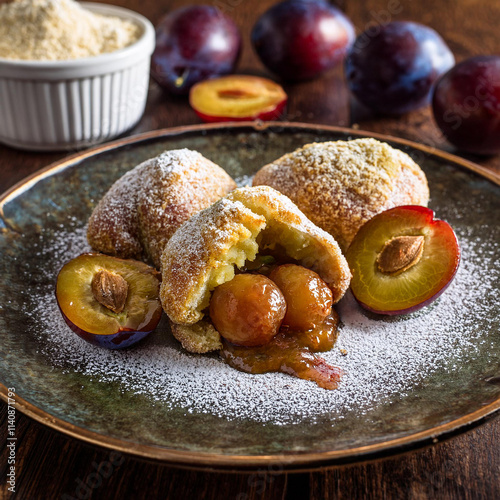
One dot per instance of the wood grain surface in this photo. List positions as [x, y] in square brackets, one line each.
[53, 466]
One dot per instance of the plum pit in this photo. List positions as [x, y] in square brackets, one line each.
[400, 253]
[110, 290]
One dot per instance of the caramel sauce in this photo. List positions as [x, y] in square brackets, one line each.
[293, 353]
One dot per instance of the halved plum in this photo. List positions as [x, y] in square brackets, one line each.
[402, 259]
[107, 301]
[238, 98]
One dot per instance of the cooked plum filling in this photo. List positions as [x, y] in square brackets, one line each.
[277, 323]
[248, 310]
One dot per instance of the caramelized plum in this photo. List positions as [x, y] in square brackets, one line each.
[248, 310]
[291, 353]
[107, 301]
[309, 300]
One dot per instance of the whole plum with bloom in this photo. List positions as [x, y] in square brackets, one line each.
[300, 39]
[394, 69]
[466, 105]
[192, 44]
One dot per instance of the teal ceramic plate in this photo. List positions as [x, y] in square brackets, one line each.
[409, 381]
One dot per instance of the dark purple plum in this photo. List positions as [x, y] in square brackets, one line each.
[193, 44]
[392, 70]
[466, 105]
[300, 39]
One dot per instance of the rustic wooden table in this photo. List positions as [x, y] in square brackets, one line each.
[52, 465]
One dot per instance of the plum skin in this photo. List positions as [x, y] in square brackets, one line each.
[192, 44]
[300, 39]
[466, 105]
[394, 70]
[119, 340]
[308, 298]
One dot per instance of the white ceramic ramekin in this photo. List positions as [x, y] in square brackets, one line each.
[58, 105]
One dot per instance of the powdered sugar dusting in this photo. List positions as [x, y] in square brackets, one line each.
[385, 357]
[243, 180]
